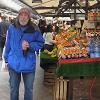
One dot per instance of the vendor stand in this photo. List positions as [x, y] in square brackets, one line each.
[77, 59]
[74, 68]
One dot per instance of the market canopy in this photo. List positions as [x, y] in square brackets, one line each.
[52, 8]
[61, 7]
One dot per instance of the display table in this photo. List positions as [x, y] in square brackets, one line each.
[79, 67]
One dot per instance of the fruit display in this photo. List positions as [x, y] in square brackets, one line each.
[70, 44]
[94, 16]
[65, 38]
[52, 53]
[74, 52]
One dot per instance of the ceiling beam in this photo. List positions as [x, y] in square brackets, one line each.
[73, 7]
[25, 3]
[40, 8]
[68, 4]
[36, 1]
[62, 3]
[86, 9]
[62, 9]
[54, 15]
[80, 6]
[61, 13]
[95, 6]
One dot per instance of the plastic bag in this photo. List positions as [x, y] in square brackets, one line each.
[4, 67]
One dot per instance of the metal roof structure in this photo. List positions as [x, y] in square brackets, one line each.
[53, 8]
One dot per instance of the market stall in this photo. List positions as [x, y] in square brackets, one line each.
[79, 67]
[79, 57]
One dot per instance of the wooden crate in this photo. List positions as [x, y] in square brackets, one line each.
[49, 76]
[60, 89]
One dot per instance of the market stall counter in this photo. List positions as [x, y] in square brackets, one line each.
[70, 69]
[78, 67]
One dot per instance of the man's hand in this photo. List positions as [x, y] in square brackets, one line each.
[25, 45]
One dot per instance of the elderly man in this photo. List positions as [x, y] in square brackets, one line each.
[21, 43]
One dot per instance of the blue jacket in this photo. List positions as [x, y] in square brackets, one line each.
[14, 54]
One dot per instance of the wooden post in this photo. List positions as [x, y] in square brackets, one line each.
[60, 89]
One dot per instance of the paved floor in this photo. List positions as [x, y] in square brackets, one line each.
[41, 91]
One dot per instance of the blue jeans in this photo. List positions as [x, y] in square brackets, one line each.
[15, 79]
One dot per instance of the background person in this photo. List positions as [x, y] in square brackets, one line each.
[4, 24]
